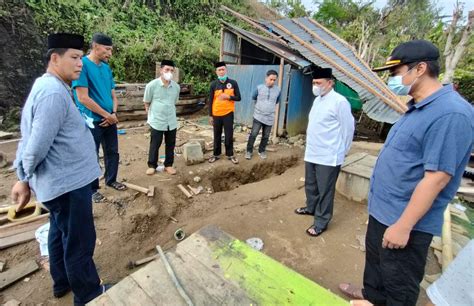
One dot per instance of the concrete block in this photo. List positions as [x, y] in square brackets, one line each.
[192, 153]
[201, 141]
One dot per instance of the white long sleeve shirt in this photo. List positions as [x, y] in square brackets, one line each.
[330, 130]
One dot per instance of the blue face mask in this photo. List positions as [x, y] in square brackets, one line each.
[396, 85]
[222, 78]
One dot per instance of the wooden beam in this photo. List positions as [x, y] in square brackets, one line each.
[254, 24]
[185, 191]
[347, 45]
[221, 54]
[386, 100]
[136, 187]
[17, 272]
[370, 78]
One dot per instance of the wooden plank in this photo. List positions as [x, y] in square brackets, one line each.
[22, 228]
[264, 280]
[353, 158]
[128, 292]
[102, 300]
[203, 285]
[17, 272]
[14, 224]
[157, 284]
[16, 239]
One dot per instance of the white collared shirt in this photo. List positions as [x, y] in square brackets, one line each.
[330, 130]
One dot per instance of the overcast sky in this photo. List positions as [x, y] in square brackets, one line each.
[446, 5]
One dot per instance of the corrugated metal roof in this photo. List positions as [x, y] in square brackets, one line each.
[270, 45]
[325, 49]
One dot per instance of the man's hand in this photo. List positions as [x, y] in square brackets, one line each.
[110, 119]
[211, 120]
[21, 194]
[224, 96]
[396, 237]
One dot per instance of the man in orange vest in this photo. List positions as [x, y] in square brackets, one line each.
[224, 92]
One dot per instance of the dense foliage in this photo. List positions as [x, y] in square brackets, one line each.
[187, 31]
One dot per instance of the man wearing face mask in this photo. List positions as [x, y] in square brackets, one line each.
[161, 96]
[417, 173]
[328, 139]
[95, 96]
[223, 94]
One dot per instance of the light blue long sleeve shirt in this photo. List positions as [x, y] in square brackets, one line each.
[56, 153]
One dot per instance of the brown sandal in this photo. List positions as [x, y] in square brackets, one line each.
[351, 291]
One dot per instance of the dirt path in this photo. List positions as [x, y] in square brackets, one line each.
[253, 199]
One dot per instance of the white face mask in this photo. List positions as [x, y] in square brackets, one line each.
[168, 76]
[317, 90]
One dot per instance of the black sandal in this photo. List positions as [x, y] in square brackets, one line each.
[213, 159]
[118, 186]
[303, 211]
[234, 160]
[97, 197]
[317, 231]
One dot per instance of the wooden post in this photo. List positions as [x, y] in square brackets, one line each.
[221, 51]
[277, 107]
[446, 239]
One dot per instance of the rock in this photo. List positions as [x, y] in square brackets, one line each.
[192, 153]
[2, 265]
[12, 303]
[197, 179]
[191, 173]
[3, 160]
[255, 243]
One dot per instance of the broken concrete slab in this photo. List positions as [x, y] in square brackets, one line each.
[201, 141]
[192, 153]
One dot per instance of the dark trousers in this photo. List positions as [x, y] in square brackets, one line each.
[266, 129]
[107, 136]
[320, 188]
[393, 276]
[156, 139]
[71, 244]
[227, 123]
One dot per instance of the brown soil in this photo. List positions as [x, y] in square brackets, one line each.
[253, 199]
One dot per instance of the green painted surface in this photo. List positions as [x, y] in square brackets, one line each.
[267, 281]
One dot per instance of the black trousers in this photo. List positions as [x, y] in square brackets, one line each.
[107, 137]
[393, 276]
[71, 244]
[156, 138]
[227, 123]
[266, 129]
[320, 188]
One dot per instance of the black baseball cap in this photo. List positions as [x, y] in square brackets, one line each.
[411, 52]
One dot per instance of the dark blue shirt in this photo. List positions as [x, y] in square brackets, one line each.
[99, 80]
[435, 134]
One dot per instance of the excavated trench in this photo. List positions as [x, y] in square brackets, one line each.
[229, 178]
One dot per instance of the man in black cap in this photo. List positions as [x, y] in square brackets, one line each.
[95, 97]
[223, 94]
[328, 139]
[56, 159]
[161, 96]
[417, 174]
